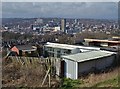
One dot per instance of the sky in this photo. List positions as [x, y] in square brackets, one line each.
[95, 10]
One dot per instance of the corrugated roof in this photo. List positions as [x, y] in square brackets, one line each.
[85, 56]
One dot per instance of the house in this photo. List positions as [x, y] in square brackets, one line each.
[76, 64]
[23, 50]
[56, 49]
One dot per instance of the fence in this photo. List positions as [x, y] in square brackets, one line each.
[52, 64]
[33, 60]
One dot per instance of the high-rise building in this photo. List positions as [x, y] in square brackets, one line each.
[63, 25]
[76, 21]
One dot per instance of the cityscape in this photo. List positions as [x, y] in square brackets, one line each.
[61, 45]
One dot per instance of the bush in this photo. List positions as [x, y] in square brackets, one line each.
[69, 83]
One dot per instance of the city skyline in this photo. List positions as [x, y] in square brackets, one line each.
[92, 10]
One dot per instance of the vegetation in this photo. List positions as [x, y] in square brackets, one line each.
[93, 35]
[15, 36]
[31, 75]
[16, 74]
[114, 82]
[69, 83]
[61, 38]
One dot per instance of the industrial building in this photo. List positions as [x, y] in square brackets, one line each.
[76, 64]
[77, 60]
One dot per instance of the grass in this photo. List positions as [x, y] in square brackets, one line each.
[97, 80]
[114, 82]
[14, 74]
[70, 83]
[31, 75]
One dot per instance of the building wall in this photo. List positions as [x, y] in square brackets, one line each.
[70, 70]
[98, 64]
[85, 66]
[73, 69]
[104, 62]
[57, 52]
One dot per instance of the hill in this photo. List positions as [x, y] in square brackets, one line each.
[32, 75]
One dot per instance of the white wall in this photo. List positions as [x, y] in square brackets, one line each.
[71, 69]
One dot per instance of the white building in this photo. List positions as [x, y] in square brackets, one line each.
[56, 49]
[57, 28]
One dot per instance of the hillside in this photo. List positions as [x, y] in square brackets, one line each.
[32, 74]
[114, 82]
[15, 75]
[97, 80]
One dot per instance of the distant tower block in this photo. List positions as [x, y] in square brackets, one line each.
[76, 21]
[63, 25]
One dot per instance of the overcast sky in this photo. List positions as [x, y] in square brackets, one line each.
[97, 10]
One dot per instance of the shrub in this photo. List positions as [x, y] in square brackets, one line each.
[70, 83]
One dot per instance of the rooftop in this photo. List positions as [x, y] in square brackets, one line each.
[66, 46]
[85, 56]
[26, 47]
[106, 41]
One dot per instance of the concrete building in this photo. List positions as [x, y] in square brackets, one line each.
[76, 64]
[56, 49]
[63, 25]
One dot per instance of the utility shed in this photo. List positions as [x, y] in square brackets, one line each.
[76, 64]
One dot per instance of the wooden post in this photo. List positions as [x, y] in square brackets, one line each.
[45, 77]
[49, 80]
[26, 62]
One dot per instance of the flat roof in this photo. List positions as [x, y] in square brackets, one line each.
[116, 37]
[60, 47]
[66, 46]
[106, 41]
[85, 56]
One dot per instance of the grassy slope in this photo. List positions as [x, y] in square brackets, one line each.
[114, 82]
[98, 80]
[14, 75]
